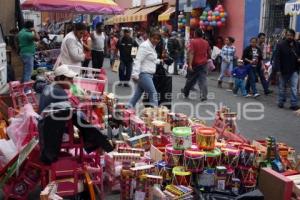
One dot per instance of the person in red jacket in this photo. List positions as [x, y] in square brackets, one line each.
[199, 53]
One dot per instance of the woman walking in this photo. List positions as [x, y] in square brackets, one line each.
[144, 68]
[227, 55]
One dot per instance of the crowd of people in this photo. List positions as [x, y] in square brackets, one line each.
[141, 55]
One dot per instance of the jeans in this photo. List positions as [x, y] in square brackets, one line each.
[239, 84]
[251, 82]
[199, 74]
[86, 63]
[262, 78]
[293, 81]
[145, 84]
[28, 61]
[125, 71]
[226, 67]
[97, 59]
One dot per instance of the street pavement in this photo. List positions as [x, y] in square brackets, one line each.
[268, 120]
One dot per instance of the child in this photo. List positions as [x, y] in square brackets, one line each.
[239, 74]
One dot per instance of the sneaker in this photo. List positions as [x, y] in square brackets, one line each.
[184, 94]
[120, 85]
[256, 95]
[248, 95]
[203, 99]
[294, 108]
[126, 85]
[280, 105]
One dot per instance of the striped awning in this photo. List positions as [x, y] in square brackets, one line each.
[141, 15]
[165, 16]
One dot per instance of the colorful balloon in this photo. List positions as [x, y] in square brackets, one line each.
[222, 14]
[201, 23]
[206, 23]
[219, 24]
[209, 18]
[204, 13]
[214, 23]
[223, 20]
[213, 18]
[210, 13]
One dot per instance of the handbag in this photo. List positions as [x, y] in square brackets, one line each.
[116, 65]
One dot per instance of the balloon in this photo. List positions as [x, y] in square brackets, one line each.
[217, 13]
[202, 17]
[214, 23]
[210, 13]
[223, 20]
[207, 9]
[219, 24]
[221, 9]
[222, 14]
[183, 21]
[204, 13]
[209, 18]
[206, 23]
[213, 18]
[218, 18]
[201, 23]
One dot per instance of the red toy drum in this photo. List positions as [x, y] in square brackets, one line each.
[212, 158]
[181, 176]
[163, 170]
[247, 155]
[173, 157]
[230, 156]
[193, 161]
[247, 177]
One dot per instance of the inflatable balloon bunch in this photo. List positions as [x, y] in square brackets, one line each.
[213, 18]
[181, 22]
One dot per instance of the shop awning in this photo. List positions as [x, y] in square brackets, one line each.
[110, 21]
[165, 16]
[125, 18]
[141, 15]
[292, 7]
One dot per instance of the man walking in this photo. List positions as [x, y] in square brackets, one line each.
[125, 45]
[287, 60]
[26, 38]
[98, 46]
[174, 49]
[198, 55]
[261, 39]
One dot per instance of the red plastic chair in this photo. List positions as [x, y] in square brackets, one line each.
[66, 172]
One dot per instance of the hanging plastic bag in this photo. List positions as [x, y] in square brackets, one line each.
[23, 127]
[8, 151]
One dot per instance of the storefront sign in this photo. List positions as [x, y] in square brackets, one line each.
[136, 3]
[152, 2]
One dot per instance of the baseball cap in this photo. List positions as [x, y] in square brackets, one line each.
[64, 70]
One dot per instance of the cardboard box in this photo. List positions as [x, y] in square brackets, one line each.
[157, 153]
[274, 185]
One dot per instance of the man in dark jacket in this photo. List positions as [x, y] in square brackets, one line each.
[125, 46]
[287, 60]
[174, 49]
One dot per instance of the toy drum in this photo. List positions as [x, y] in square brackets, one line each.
[163, 170]
[182, 138]
[247, 155]
[193, 161]
[173, 157]
[230, 156]
[158, 128]
[212, 158]
[181, 176]
[206, 138]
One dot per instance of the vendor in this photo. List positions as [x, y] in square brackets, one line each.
[57, 111]
[71, 52]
